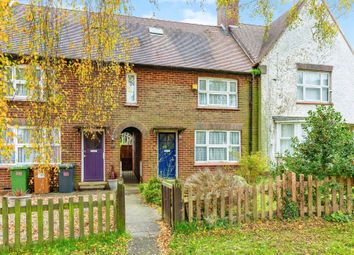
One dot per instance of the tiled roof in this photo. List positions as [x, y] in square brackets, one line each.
[253, 39]
[182, 45]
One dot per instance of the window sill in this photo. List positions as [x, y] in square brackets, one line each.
[131, 105]
[313, 103]
[217, 108]
[218, 164]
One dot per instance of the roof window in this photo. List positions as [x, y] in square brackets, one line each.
[156, 30]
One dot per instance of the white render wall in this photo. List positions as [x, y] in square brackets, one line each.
[278, 85]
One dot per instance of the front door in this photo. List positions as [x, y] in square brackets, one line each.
[167, 155]
[93, 157]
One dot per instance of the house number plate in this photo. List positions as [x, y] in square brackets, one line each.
[166, 150]
[40, 175]
[93, 150]
[18, 173]
[66, 173]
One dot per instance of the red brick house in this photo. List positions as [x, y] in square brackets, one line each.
[190, 104]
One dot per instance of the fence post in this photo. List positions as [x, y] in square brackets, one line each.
[177, 204]
[254, 203]
[5, 221]
[162, 202]
[120, 203]
[293, 186]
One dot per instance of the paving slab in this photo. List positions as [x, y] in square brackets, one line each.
[141, 223]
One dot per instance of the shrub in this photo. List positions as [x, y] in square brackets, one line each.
[339, 217]
[212, 182]
[253, 166]
[328, 149]
[290, 209]
[151, 191]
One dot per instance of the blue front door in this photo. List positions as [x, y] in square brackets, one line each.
[167, 155]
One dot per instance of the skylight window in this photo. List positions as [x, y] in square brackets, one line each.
[156, 30]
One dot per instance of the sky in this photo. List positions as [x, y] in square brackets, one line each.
[191, 11]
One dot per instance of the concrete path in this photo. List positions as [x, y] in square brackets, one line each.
[140, 223]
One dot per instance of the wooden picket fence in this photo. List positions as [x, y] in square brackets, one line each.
[62, 217]
[258, 202]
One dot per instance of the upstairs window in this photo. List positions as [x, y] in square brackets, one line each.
[16, 78]
[313, 86]
[217, 146]
[217, 93]
[131, 89]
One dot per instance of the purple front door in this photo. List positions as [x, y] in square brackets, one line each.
[93, 157]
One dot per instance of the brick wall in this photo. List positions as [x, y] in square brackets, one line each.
[165, 99]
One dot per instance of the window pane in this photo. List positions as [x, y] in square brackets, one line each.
[21, 90]
[217, 138]
[313, 94]
[325, 79]
[218, 99]
[55, 154]
[8, 74]
[287, 130]
[232, 86]
[201, 137]
[20, 73]
[201, 154]
[313, 78]
[202, 98]
[8, 157]
[217, 85]
[285, 145]
[202, 85]
[233, 101]
[25, 155]
[217, 153]
[234, 154]
[300, 93]
[235, 138]
[325, 94]
[131, 89]
[24, 136]
[300, 77]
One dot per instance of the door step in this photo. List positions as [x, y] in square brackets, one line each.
[92, 185]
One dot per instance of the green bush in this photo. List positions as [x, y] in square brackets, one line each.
[289, 208]
[253, 166]
[339, 217]
[328, 149]
[151, 191]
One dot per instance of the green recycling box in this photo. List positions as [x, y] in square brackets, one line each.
[19, 178]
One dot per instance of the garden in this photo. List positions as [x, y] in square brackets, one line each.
[301, 205]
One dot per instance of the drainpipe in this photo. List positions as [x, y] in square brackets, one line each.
[250, 130]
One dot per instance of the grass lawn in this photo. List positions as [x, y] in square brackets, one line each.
[299, 237]
[113, 243]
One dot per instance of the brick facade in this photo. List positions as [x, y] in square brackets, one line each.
[165, 99]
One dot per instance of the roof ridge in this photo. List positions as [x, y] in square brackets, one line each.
[248, 24]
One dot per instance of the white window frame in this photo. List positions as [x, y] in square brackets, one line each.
[298, 132]
[228, 146]
[18, 145]
[135, 101]
[227, 93]
[14, 83]
[309, 86]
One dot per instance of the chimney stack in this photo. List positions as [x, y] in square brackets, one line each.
[228, 14]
